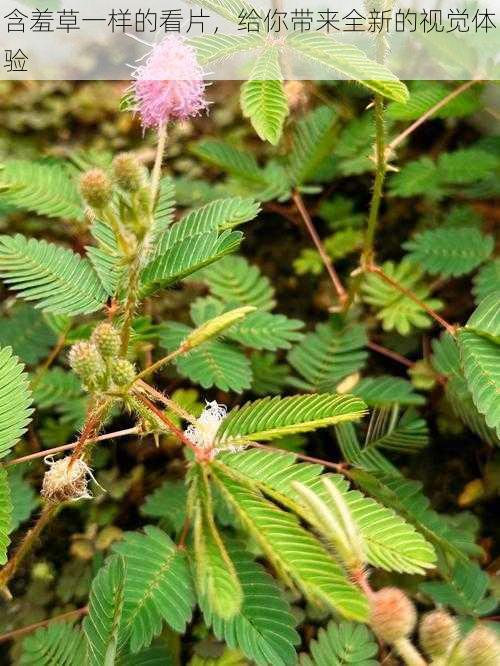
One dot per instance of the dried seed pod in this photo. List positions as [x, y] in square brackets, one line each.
[107, 340]
[66, 479]
[438, 633]
[392, 614]
[96, 188]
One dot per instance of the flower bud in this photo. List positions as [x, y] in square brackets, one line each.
[96, 188]
[107, 340]
[392, 614]
[479, 648]
[129, 172]
[122, 371]
[438, 633]
[85, 360]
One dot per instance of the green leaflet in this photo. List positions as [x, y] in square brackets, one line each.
[5, 514]
[314, 139]
[486, 317]
[270, 418]
[216, 578]
[59, 643]
[350, 62]
[45, 188]
[58, 279]
[102, 624]
[487, 280]
[264, 627]
[391, 543]
[15, 401]
[333, 351]
[481, 364]
[214, 48]
[386, 390]
[295, 554]
[23, 496]
[341, 645]
[27, 332]
[158, 586]
[450, 252]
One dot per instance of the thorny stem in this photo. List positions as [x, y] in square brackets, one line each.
[339, 288]
[92, 424]
[67, 447]
[428, 114]
[17, 633]
[27, 544]
[171, 404]
[181, 544]
[373, 268]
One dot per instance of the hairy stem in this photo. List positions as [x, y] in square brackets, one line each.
[408, 652]
[161, 362]
[378, 186]
[18, 633]
[339, 288]
[177, 432]
[156, 174]
[372, 268]
[27, 544]
[68, 447]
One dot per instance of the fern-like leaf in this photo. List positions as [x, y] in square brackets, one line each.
[42, 187]
[58, 279]
[27, 332]
[59, 643]
[487, 280]
[329, 354]
[216, 48]
[15, 401]
[5, 514]
[343, 644]
[349, 61]
[23, 496]
[264, 627]
[485, 320]
[158, 586]
[270, 418]
[313, 142]
[295, 554]
[386, 390]
[102, 624]
[395, 309]
[450, 252]
[263, 98]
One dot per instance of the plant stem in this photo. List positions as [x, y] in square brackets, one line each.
[391, 354]
[428, 114]
[67, 447]
[17, 633]
[409, 653]
[339, 288]
[156, 174]
[378, 186]
[27, 544]
[177, 432]
[372, 268]
[92, 424]
[163, 361]
[171, 404]
[338, 467]
[181, 544]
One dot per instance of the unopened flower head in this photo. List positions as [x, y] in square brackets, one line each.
[203, 433]
[169, 86]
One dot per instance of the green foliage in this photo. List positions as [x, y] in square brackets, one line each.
[313, 142]
[263, 98]
[396, 310]
[213, 48]
[167, 502]
[59, 643]
[5, 514]
[158, 586]
[264, 627]
[58, 279]
[102, 624]
[450, 252]
[424, 95]
[23, 496]
[487, 280]
[386, 390]
[349, 61]
[333, 351]
[15, 401]
[269, 376]
[270, 418]
[44, 188]
[342, 644]
[26, 331]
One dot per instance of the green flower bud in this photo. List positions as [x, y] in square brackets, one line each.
[129, 172]
[122, 371]
[392, 614]
[107, 340]
[96, 188]
[438, 633]
[85, 360]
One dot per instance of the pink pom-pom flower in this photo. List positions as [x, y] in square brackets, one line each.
[169, 86]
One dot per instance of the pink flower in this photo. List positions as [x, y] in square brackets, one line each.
[169, 86]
